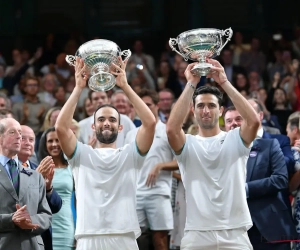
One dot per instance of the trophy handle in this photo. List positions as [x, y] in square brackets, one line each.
[126, 53]
[228, 32]
[172, 43]
[71, 60]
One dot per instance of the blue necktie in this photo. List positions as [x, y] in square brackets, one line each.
[13, 170]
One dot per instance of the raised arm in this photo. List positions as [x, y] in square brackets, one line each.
[65, 135]
[251, 121]
[176, 135]
[145, 134]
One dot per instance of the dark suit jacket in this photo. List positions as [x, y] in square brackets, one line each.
[285, 146]
[267, 177]
[32, 194]
[55, 203]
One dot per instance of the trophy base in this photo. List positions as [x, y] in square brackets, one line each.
[102, 81]
[201, 69]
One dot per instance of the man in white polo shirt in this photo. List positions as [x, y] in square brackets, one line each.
[154, 207]
[213, 164]
[105, 177]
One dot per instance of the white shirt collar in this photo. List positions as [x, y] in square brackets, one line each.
[260, 133]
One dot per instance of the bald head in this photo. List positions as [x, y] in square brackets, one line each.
[27, 144]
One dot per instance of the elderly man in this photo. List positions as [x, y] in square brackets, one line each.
[53, 199]
[24, 211]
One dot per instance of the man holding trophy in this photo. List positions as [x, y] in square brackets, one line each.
[105, 177]
[213, 163]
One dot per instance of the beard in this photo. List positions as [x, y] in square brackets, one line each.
[106, 138]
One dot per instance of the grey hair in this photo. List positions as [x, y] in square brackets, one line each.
[2, 128]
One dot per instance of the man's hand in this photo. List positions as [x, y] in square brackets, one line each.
[152, 177]
[121, 79]
[217, 72]
[193, 79]
[81, 75]
[22, 219]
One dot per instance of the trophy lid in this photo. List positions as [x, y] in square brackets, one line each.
[98, 46]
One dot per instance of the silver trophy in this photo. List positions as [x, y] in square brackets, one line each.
[98, 56]
[199, 44]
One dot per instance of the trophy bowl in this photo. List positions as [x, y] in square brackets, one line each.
[98, 56]
[199, 44]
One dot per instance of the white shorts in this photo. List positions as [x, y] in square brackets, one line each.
[232, 239]
[107, 242]
[155, 211]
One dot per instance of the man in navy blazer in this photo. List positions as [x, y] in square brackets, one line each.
[267, 179]
[53, 199]
[283, 140]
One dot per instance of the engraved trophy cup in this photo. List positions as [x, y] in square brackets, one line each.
[98, 56]
[199, 44]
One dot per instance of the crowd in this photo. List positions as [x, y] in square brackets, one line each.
[168, 182]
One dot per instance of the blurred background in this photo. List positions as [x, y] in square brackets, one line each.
[29, 23]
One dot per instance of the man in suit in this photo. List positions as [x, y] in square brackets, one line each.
[283, 140]
[267, 179]
[53, 199]
[24, 211]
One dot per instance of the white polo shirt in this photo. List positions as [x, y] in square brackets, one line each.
[105, 182]
[213, 171]
[159, 152]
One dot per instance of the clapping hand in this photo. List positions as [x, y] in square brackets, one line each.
[22, 219]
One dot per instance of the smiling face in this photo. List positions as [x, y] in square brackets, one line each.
[52, 144]
[232, 119]
[28, 140]
[207, 111]
[107, 125]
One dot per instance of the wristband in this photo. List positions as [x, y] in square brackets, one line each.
[191, 85]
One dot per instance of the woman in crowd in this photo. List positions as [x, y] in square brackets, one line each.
[63, 227]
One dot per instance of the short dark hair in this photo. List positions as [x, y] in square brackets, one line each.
[230, 108]
[294, 123]
[43, 152]
[151, 93]
[208, 90]
[107, 106]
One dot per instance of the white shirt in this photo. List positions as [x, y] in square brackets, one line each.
[260, 133]
[105, 182]
[86, 130]
[159, 152]
[213, 171]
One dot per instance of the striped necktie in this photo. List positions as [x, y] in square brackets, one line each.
[13, 170]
